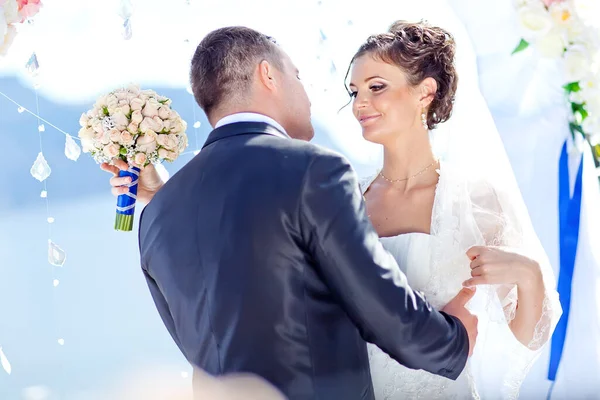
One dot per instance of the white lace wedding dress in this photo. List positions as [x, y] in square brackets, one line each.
[466, 212]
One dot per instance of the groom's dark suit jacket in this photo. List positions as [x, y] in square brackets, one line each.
[260, 258]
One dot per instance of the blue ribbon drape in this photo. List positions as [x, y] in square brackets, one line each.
[569, 209]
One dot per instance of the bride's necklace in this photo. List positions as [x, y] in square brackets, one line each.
[410, 177]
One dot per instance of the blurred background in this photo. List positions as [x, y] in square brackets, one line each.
[86, 327]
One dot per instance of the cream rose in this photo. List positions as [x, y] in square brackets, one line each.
[86, 133]
[146, 143]
[151, 124]
[137, 117]
[151, 108]
[84, 120]
[111, 150]
[7, 40]
[87, 145]
[534, 20]
[552, 45]
[136, 104]
[576, 64]
[97, 126]
[120, 120]
[11, 12]
[126, 138]
[140, 159]
[169, 142]
[158, 124]
[124, 108]
[133, 128]
[166, 154]
[114, 135]
[164, 112]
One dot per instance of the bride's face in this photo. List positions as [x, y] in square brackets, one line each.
[384, 103]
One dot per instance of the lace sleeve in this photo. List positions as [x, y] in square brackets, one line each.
[501, 223]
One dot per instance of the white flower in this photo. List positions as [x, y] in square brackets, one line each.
[183, 142]
[146, 143]
[562, 13]
[97, 125]
[159, 124]
[133, 128]
[151, 124]
[11, 12]
[595, 138]
[120, 120]
[551, 45]
[87, 145]
[534, 20]
[137, 117]
[169, 142]
[576, 64]
[124, 108]
[7, 40]
[126, 139]
[166, 154]
[111, 150]
[86, 133]
[136, 104]
[164, 112]
[84, 120]
[115, 135]
[151, 108]
[178, 125]
[140, 159]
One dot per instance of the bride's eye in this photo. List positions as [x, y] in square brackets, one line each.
[377, 88]
[353, 94]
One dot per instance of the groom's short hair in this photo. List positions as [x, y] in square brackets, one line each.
[224, 63]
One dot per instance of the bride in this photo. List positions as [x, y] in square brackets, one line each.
[431, 209]
[435, 202]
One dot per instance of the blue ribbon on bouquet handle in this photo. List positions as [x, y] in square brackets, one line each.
[569, 209]
[126, 202]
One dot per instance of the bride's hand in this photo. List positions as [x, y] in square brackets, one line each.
[491, 265]
[149, 183]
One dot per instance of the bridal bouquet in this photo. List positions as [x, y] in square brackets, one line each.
[13, 12]
[137, 126]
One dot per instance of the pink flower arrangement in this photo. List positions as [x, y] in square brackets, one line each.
[13, 12]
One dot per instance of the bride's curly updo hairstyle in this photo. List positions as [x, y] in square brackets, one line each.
[421, 51]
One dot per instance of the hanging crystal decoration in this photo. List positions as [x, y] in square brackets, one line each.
[127, 32]
[43, 194]
[41, 128]
[72, 149]
[40, 169]
[55, 282]
[197, 124]
[125, 12]
[50, 220]
[4, 362]
[33, 65]
[21, 109]
[61, 342]
[56, 255]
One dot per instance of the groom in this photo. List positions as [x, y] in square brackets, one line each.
[259, 255]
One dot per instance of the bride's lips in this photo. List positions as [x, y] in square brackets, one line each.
[368, 119]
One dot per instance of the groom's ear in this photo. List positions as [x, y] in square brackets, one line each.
[266, 75]
[428, 89]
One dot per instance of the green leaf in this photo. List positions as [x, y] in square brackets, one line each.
[573, 127]
[572, 87]
[523, 44]
[105, 110]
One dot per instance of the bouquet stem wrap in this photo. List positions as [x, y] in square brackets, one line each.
[126, 202]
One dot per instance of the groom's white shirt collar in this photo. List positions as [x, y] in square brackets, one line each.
[252, 117]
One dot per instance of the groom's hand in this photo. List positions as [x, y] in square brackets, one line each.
[149, 183]
[457, 308]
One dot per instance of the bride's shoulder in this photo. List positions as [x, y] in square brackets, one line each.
[468, 181]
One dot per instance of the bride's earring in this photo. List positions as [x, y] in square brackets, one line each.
[424, 119]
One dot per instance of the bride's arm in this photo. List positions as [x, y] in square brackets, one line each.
[514, 261]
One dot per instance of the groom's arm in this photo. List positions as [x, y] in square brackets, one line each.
[352, 261]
